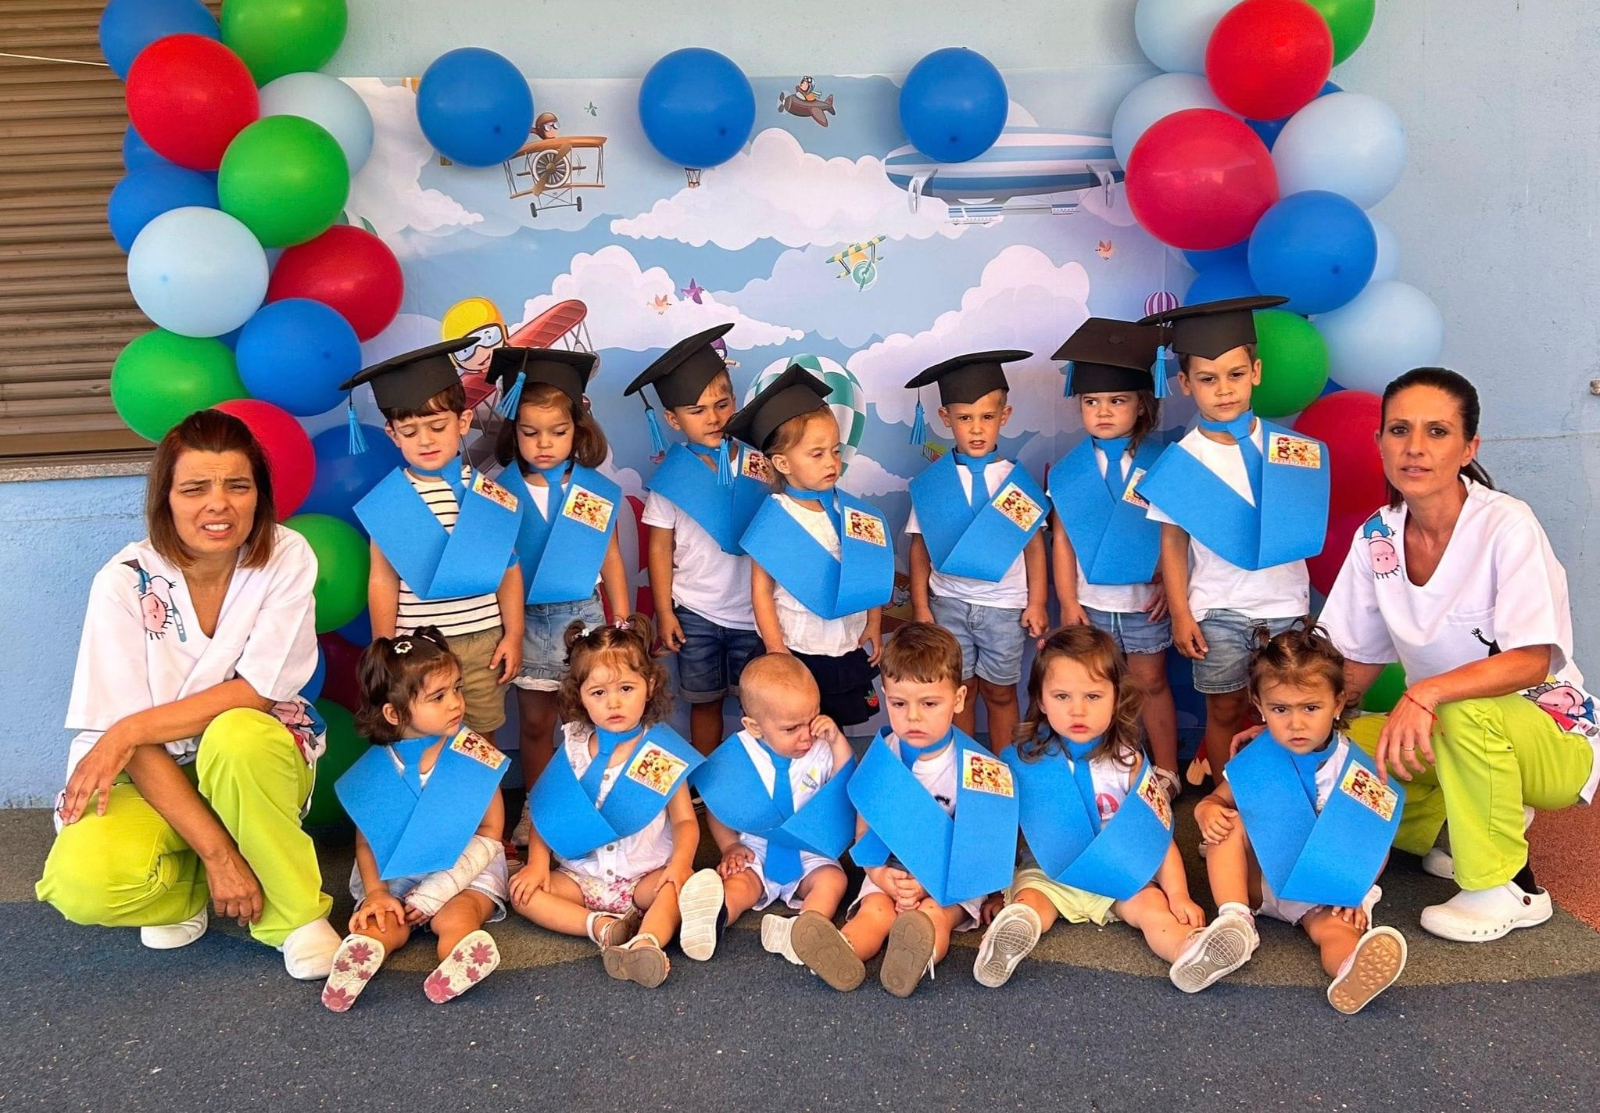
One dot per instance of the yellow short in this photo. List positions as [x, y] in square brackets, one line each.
[1076, 906]
[480, 685]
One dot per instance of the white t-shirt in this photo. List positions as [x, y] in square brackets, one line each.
[807, 774]
[142, 646]
[1281, 591]
[1116, 598]
[642, 852]
[1498, 586]
[1011, 590]
[713, 584]
[803, 631]
[470, 614]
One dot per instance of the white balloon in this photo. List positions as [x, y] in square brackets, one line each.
[1347, 143]
[1149, 101]
[327, 101]
[1388, 264]
[1174, 33]
[1387, 330]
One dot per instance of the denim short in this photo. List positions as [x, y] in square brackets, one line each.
[1230, 636]
[544, 650]
[991, 638]
[1133, 631]
[712, 656]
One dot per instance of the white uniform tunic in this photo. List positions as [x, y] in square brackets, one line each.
[807, 774]
[642, 852]
[1498, 587]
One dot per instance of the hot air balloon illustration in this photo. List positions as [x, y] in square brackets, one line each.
[846, 399]
[1162, 301]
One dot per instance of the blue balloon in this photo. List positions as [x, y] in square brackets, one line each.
[294, 353]
[137, 154]
[313, 689]
[474, 106]
[696, 107]
[1269, 130]
[1230, 280]
[342, 480]
[197, 272]
[953, 104]
[1314, 248]
[128, 26]
[1222, 256]
[145, 194]
[358, 631]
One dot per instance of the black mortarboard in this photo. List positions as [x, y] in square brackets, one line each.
[795, 392]
[1211, 328]
[684, 370]
[1111, 355]
[513, 368]
[408, 380]
[968, 378]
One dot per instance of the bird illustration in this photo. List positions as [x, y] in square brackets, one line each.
[661, 303]
[1104, 249]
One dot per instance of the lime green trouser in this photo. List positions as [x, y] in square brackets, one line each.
[129, 868]
[1492, 757]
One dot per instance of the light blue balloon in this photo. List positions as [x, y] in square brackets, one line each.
[1387, 330]
[1218, 283]
[1387, 264]
[1151, 100]
[294, 353]
[696, 107]
[1173, 33]
[324, 100]
[1346, 143]
[146, 193]
[1314, 248]
[197, 272]
[953, 104]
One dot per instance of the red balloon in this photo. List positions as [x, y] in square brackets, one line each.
[1347, 422]
[1324, 567]
[188, 96]
[1269, 58]
[1200, 179]
[290, 458]
[341, 684]
[346, 268]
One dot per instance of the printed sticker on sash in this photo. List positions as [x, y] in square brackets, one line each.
[587, 508]
[862, 526]
[478, 749]
[489, 489]
[986, 774]
[1364, 788]
[1296, 451]
[655, 768]
[1016, 505]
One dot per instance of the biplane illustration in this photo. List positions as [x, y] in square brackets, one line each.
[859, 262]
[551, 168]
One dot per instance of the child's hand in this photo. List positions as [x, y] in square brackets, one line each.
[508, 655]
[826, 731]
[1186, 912]
[531, 879]
[992, 904]
[872, 642]
[1187, 637]
[415, 916]
[1215, 821]
[1157, 607]
[378, 908]
[675, 874]
[1355, 917]
[1073, 614]
[738, 858]
[1035, 620]
[1244, 737]
[670, 631]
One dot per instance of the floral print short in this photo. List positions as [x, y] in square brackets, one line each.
[613, 895]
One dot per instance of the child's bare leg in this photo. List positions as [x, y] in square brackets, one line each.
[944, 920]
[1334, 937]
[967, 718]
[741, 893]
[393, 936]
[1225, 717]
[1160, 713]
[461, 915]
[1001, 702]
[536, 733]
[1148, 911]
[1041, 906]
[867, 930]
[822, 891]
[359, 956]
[660, 903]
[1230, 869]
[705, 725]
[558, 907]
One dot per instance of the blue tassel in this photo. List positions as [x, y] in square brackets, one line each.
[1066, 372]
[358, 441]
[658, 439]
[919, 425]
[508, 405]
[1161, 373]
[724, 464]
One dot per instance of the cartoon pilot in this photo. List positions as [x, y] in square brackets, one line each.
[546, 125]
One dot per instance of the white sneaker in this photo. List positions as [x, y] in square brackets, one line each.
[169, 937]
[1215, 951]
[524, 828]
[1439, 862]
[775, 937]
[1373, 967]
[700, 904]
[1485, 914]
[309, 949]
[1011, 937]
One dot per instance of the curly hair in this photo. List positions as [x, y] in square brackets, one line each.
[1301, 657]
[393, 672]
[1123, 740]
[626, 645]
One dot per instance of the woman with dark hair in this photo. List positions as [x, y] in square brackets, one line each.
[195, 752]
[1457, 582]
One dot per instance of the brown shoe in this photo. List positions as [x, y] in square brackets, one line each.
[1373, 967]
[641, 961]
[825, 950]
[909, 952]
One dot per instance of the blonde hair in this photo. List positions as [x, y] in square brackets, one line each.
[769, 672]
[789, 434]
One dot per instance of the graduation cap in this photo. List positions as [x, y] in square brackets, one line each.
[962, 380]
[793, 393]
[1109, 355]
[513, 368]
[1211, 328]
[404, 382]
[680, 376]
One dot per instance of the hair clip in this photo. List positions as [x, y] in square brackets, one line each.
[402, 648]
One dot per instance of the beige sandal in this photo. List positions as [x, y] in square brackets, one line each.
[1373, 967]
[616, 930]
[909, 954]
[640, 960]
[825, 951]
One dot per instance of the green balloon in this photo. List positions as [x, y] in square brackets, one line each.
[1349, 20]
[275, 37]
[161, 378]
[343, 561]
[284, 178]
[344, 747]
[1386, 690]
[1294, 363]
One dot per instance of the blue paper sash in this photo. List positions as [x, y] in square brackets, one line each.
[981, 546]
[576, 539]
[437, 563]
[862, 577]
[1294, 494]
[722, 511]
[734, 793]
[954, 859]
[1114, 541]
[1117, 862]
[411, 833]
[565, 815]
[1330, 858]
